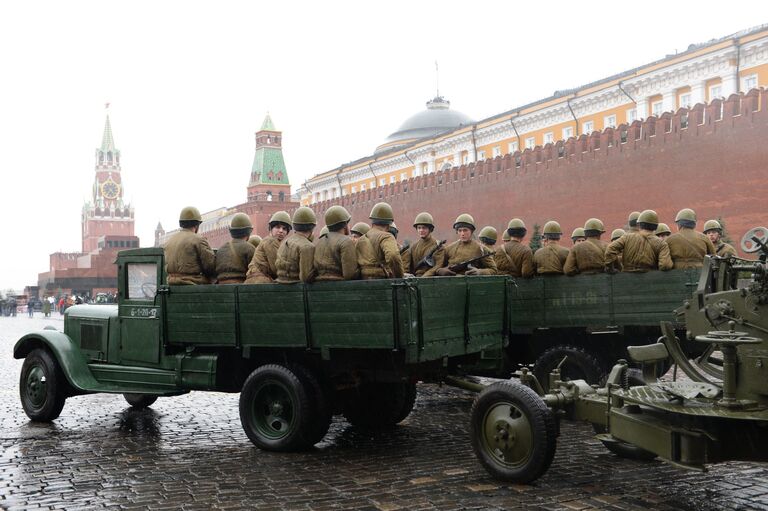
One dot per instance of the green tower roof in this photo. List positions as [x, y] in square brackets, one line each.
[267, 125]
[269, 167]
[107, 142]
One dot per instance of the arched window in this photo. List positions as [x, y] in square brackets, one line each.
[446, 166]
[281, 196]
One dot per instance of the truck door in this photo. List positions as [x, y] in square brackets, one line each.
[139, 309]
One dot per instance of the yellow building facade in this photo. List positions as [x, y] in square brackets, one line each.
[439, 138]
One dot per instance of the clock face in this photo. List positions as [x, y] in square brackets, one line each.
[110, 189]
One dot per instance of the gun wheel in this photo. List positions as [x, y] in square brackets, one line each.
[749, 245]
[140, 401]
[41, 386]
[514, 434]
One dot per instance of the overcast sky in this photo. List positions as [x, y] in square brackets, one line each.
[190, 82]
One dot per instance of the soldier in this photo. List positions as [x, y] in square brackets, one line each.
[662, 231]
[262, 269]
[233, 257]
[514, 258]
[632, 221]
[550, 259]
[379, 255]
[296, 255]
[587, 256]
[714, 232]
[324, 232]
[577, 236]
[254, 240]
[688, 247]
[505, 237]
[335, 254]
[358, 230]
[488, 237]
[188, 257]
[618, 233]
[641, 251]
[414, 259]
[463, 250]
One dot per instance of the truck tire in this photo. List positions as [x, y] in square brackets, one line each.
[513, 433]
[319, 400]
[275, 410]
[42, 386]
[580, 365]
[380, 405]
[140, 401]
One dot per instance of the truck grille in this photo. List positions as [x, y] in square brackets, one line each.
[90, 337]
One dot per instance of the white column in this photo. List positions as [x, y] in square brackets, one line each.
[430, 165]
[457, 158]
[730, 80]
[642, 109]
[669, 101]
[697, 93]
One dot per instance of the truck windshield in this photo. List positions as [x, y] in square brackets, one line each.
[142, 281]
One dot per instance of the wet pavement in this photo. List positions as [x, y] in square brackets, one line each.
[189, 452]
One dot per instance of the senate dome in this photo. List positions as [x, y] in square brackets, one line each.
[436, 119]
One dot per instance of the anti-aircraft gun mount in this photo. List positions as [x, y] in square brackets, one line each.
[716, 411]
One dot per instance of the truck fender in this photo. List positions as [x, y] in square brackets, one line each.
[71, 360]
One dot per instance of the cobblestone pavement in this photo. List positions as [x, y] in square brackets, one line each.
[189, 452]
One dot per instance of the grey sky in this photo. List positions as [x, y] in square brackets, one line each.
[189, 83]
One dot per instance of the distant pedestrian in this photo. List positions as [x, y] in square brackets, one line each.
[47, 306]
[31, 308]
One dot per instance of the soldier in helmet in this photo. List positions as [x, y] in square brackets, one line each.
[414, 259]
[550, 259]
[587, 257]
[514, 258]
[379, 255]
[618, 233]
[464, 249]
[641, 251]
[488, 237]
[578, 236]
[714, 232]
[505, 237]
[335, 254]
[324, 232]
[254, 241]
[632, 221]
[233, 257]
[358, 230]
[296, 255]
[262, 269]
[688, 247]
[662, 231]
[188, 257]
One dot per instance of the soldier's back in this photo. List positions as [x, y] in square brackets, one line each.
[386, 252]
[725, 249]
[262, 268]
[189, 259]
[641, 252]
[550, 259]
[335, 258]
[295, 260]
[515, 259]
[232, 260]
[587, 257]
[688, 248]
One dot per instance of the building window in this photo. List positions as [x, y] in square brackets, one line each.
[403, 176]
[609, 121]
[496, 151]
[382, 181]
[715, 92]
[362, 187]
[465, 159]
[656, 108]
[391, 179]
[530, 142]
[281, 196]
[631, 115]
[373, 184]
[354, 189]
[567, 132]
[513, 147]
[481, 155]
[749, 83]
[333, 193]
[549, 137]
[589, 127]
[684, 101]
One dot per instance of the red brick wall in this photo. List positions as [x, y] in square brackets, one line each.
[717, 165]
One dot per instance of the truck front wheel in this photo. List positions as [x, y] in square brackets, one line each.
[275, 410]
[42, 386]
[140, 400]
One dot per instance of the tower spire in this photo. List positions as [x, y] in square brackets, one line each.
[107, 142]
[437, 80]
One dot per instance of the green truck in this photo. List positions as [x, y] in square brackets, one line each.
[298, 354]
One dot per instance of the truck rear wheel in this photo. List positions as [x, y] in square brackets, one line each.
[140, 400]
[580, 365]
[319, 400]
[42, 386]
[513, 433]
[380, 405]
[275, 409]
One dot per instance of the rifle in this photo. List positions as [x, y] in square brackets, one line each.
[406, 246]
[429, 258]
[462, 266]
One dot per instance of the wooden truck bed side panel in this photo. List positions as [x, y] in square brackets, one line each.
[201, 315]
[272, 315]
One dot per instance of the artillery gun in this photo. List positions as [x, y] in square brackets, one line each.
[715, 411]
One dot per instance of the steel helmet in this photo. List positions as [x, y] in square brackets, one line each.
[464, 220]
[632, 220]
[254, 240]
[618, 233]
[489, 233]
[424, 218]
[686, 214]
[648, 216]
[360, 228]
[381, 213]
[578, 233]
[516, 223]
[336, 215]
[662, 229]
[553, 227]
[713, 225]
[281, 217]
[324, 231]
[304, 216]
[240, 221]
[506, 236]
[594, 224]
[190, 214]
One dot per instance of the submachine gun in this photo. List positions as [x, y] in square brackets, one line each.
[429, 259]
[464, 265]
[406, 246]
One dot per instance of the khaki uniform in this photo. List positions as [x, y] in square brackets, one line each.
[688, 248]
[262, 269]
[600, 243]
[724, 249]
[335, 258]
[417, 252]
[459, 251]
[295, 260]
[587, 257]
[232, 260]
[189, 259]
[641, 252]
[515, 259]
[550, 259]
[380, 257]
